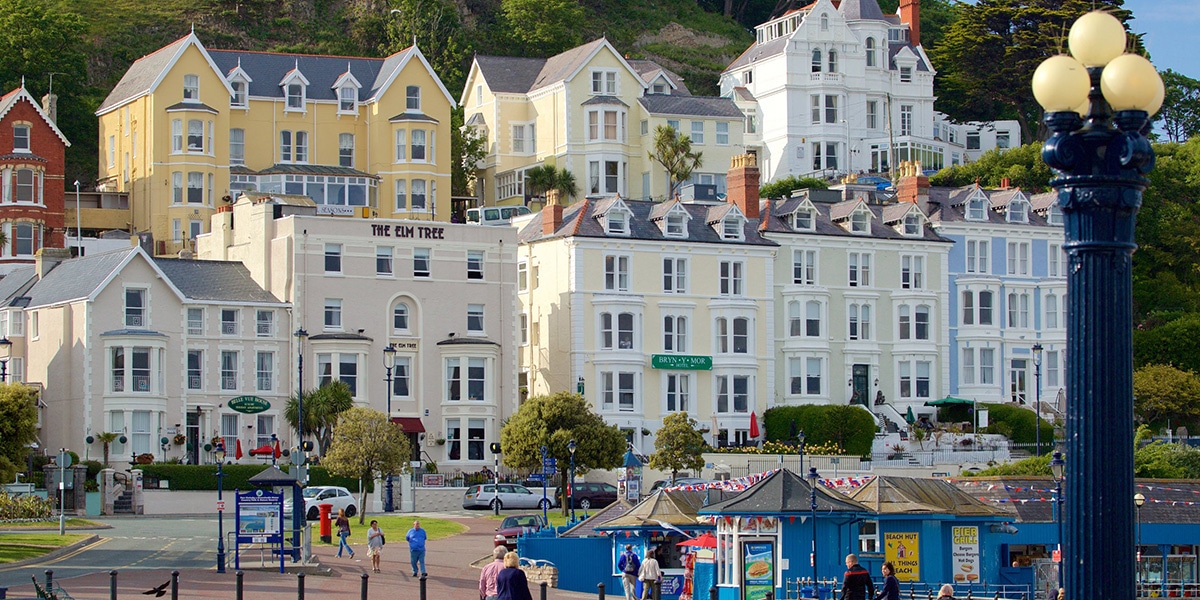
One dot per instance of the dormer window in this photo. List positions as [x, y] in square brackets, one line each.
[731, 228]
[347, 99]
[617, 222]
[238, 99]
[21, 138]
[905, 74]
[912, 224]
[676, 225]
[295, 96]
[294, 89]
[977, 209]
[1018, 212]
[191, 88]
[1054, 216]
[658, 88]
[860, 222]
[803, 220]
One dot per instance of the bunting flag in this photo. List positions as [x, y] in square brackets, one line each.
[740, 484]
[847, 482]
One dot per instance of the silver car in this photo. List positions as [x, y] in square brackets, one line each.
[314, 496]
[510, 495]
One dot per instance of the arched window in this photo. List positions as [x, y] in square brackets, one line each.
[870, 52]
[812, 319]
[400, 318]
[816, 60]
[824, 22]
[833, 61]
[795, 320]
[905, 317]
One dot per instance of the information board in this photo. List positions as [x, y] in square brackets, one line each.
[259, 520]
[758, 570]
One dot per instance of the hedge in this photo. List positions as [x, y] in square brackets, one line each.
[1019, 424]
[851, 428]
[235, 477]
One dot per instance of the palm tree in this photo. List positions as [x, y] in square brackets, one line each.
[543, 178]
[107, 438]
[674, 153]
[565, 184]
[322, 407]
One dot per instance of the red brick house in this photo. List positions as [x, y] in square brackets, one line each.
[32, 163]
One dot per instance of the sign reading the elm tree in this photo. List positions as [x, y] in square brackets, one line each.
[682, 362]
[249, 404]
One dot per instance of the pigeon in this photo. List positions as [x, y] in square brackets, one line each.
[159, 591]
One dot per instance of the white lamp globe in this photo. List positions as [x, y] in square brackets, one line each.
[1096, 38]
[1130, 82]
[1061, 84]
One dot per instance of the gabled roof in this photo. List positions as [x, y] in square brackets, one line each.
[578, 220]
[777, 219]
[80, 278]
[677, 508]
[949, 205]
[649, 70]
[1002, 198]
[784, 492]
[906, 495]
[845, 208]
[214, 280]
[896, 212]
[16, 283]
[12, 98]
[513, 75]
[562, 67]
[1043, 201]
[144, 75]
[690, 106]
[587, 526]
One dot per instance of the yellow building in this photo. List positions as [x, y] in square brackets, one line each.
[593, 112]
[187, 128]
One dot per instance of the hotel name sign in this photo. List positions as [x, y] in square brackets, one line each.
[409, 231]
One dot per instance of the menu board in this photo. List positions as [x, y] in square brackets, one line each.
[965, 554]
[758, 570]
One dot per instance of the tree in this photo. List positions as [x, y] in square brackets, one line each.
[541, 28]
[18, 426]
[783, 188]
[467, 149]
[322, 408]
[1166, 396]
[1180, 114]
[553, 421]
[987, 56]
[678, 445]
[544, 178]
[1022, 166]
[674, 153]
[436, 27]
[365, 445]
[106, 439]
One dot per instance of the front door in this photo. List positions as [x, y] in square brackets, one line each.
[862, 385]
[193, 438]
[1016, 380]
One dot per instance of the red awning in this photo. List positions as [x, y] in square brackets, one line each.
[264, 450]
[410, 424]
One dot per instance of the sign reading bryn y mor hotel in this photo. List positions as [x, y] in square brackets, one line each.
[409, 231]
[249, 404]
[684, 362]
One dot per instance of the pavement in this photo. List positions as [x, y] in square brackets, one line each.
[145, 551]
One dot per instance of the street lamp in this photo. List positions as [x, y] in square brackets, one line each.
[812, 484]
[389, 363]
[1138, 501]
[1037, 378]
[219, 454]
[1098, 102]
[301, 335]
[800, 441]
[78, 226]
[571, 488]
[6, 351]
[1057, 465]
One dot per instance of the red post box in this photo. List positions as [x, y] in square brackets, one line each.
[326, 525]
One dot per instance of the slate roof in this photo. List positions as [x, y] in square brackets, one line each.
[948, 205]
[509, 74]
[559, 66]
[784, 492]
[757, 52]
[778, 220]
[16, 283]
[699, 106]
[906, 495]
[467, 341]
[895, 47]
[1028, 499]
[580, 220]
[197, 106]
[1043, 201]
[603, 100]
[77, 278]
[861, 9]
[649, 69]
[214, 280]
[310, 169]
[141, 75]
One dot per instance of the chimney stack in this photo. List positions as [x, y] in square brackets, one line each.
[910, 14]
[1005, 183]
[50, 107]
[47, 258]
[912, 185]
[743, 179]
[552, 213]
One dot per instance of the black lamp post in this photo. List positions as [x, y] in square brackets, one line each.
[219, 454]
[571, 488]
[1098, 102]
[495, 447]
[800, 440]
[1037, 378]
[389, 363]
[812, 484]
[1138, 501]
[301, 335]
[6, 349]
[1057, 465]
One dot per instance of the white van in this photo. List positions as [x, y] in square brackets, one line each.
[495, 215]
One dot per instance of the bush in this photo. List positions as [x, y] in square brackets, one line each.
[1018, 424]
[1034, 466]
[850, 428]
[24, 507]
[236, 477]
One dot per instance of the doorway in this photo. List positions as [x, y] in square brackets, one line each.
[193, 438]
[861, 378]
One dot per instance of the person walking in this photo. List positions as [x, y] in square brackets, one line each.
[629, 565]
[511, 583]
[946, 593]
[856, 583]
[891, 585]
[374, 544]
[487, 577]
[416, 546]
[649, 574]
[343, 528]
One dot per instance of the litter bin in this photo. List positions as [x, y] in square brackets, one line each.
[326, 525]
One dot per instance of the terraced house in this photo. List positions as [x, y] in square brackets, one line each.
[593, 112]
[32, 161]
[187, 128]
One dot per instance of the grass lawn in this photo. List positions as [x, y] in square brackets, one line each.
[395, 526]
[19, 546]
[73, 522]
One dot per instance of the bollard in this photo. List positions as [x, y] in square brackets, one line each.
[969, 597]
[240, 574]
[422, 586]
[929, 593]
[544, 587]
[112, 585]
[997, 596]
[174, 585]
[49, 581]
[300, 586]
[712, 593]
[3, 593]
[600, 591]
[363, 590]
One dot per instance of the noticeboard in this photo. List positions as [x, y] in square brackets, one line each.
[904, 551]
[259, 520]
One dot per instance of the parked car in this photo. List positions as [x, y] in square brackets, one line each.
[510, 495]
[680, 481]
[495, 215]
[592, 495]
[512, 527]
[339, 497]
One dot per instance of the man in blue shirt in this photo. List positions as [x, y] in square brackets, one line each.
[416, 547]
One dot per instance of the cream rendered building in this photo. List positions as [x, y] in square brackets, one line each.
[442, 295]
[593, 112]
[650, 309]
[147, 348]
[187, 128]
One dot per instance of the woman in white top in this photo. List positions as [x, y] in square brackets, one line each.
[374, 545]
[649, 574]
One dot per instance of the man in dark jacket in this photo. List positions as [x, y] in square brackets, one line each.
[856, 584]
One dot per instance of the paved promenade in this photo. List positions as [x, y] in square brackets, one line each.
[451, 576]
